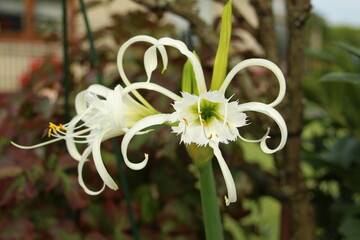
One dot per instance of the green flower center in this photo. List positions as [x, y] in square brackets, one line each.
[208, 110]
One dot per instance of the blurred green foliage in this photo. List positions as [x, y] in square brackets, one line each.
[331, 138]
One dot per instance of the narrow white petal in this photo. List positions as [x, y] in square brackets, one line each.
[120, 56]
[137, 127]
[69, 138]
[115, 107]
[150, 61]
[80, 102]
[258, 62]
[152, 87]
[199, 75]
[275, 115]
[80, 170]
[99, 90]
[36, 145]
[229, 181]
[105, 176]
[164, 56]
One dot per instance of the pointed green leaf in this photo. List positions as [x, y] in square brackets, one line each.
[349, 48]
[188, 83]
[221, 59]
[341, 77]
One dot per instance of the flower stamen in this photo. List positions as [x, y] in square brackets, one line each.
[186, 121]
[228, 125]
[203, 123]
[55, 128]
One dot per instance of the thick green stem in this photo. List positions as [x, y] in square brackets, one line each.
[209, 201]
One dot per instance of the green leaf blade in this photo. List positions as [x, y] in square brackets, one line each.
[221, 58]
[342, 77]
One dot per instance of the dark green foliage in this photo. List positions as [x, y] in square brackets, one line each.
[331, 143]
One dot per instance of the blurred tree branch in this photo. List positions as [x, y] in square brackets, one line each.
[266, 32]
[297, 214]
[187, 10]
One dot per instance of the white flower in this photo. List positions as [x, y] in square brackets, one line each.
[207, 119]
[102, 113]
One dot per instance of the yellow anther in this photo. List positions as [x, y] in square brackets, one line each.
[186, 121]
[54, 128]
[210, 136]
[61, 127]
[49, 132]
[203, 122]
[227, 202]
[199, 113]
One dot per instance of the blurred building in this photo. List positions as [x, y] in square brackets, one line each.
[32, 29]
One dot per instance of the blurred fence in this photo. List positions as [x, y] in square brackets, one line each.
[16, 58]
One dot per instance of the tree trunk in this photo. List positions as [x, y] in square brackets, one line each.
[297, 212]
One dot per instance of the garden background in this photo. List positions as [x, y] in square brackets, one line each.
[309, 190]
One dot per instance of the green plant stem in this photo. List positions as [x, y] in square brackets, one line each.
[209, 202]
[125, 188]
[94, 57]
[65, 62]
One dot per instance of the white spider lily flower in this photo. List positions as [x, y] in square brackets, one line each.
[206, 119]
[102, 114]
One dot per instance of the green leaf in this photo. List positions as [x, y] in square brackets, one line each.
[188, 83]
[350, 228]
[233, 227]
[349, 48]
[323, 56]
[221, 59]
[342, 77]
[345, 153]
[149, 205]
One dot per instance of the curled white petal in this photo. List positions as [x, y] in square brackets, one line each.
[150, 61]
[80, 170]
[258, 62]
[120, 56]
[98, 90]
[152, 87]
[140, 125]
[80, 102]
[275, 115]
[69, 139]
[121, 52]
[229, 181]
[266, 135]
[105, 176]
[199, 75]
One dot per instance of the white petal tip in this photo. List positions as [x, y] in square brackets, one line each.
[227, 201]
